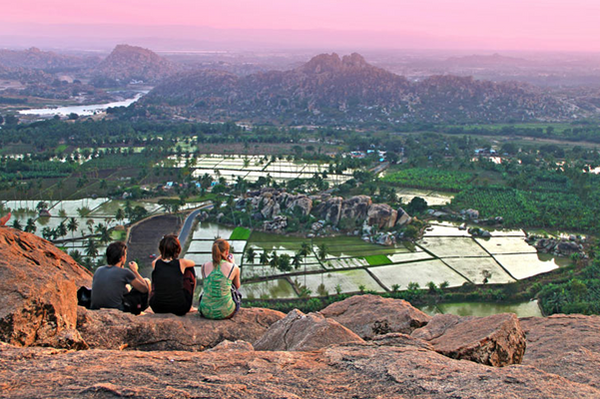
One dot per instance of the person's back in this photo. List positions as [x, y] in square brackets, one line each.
[110, 283]
[220, 298]
[109, 286]
[217, 302]
[173, 279]
[167, 288]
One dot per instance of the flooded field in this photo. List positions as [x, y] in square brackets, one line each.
[253, 167]
[446, 255]
[483, 309]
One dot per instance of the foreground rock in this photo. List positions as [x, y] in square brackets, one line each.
[496, 340]
[300, 332]
[353, 371]
[38, 292]
[371, 315]
[112, 329]
[565, 345]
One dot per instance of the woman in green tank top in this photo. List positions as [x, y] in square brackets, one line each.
[220, 298]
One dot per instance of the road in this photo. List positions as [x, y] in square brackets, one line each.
[189, 221]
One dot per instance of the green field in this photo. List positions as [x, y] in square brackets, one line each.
[240, 233]
[376, 260]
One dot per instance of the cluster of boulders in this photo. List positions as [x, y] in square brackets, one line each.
[559, 247]
[268, 203]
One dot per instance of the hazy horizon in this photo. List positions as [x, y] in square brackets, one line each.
[495, 25]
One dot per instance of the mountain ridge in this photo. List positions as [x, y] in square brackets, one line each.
[333, 90]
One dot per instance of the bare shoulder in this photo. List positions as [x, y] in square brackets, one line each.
[187, 262]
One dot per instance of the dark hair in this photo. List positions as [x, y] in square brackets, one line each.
[114, 252]
[169, 247]
[219, 248]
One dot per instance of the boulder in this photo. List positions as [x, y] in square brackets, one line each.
[565, 345]
[356, 207]
[381, 216]
[301, 332]
[403, 340]
[38, 292]
[293, 202]
[496, 340]
[371, 315]
[330, 210]
[112, 329]
[402, 217]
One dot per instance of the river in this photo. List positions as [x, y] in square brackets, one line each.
[82, 110]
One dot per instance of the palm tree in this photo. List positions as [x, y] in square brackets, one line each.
[120, 215]
[250, 254]
[61, 230]
[30, 227]
[103, 231]
[72, 226]
[322, 251]
[90, 225]
[264, 258]
[297, 260]
[91, 249]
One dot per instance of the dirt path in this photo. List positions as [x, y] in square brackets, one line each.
[145, 236]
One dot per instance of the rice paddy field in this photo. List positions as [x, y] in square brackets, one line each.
[253, 167]
[350, 265]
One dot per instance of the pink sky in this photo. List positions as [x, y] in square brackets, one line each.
[518, 24]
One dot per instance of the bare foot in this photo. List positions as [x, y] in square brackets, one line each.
[4, 219]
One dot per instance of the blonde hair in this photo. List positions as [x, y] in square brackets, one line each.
[219, 249]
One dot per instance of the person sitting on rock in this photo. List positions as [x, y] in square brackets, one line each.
[115, 287]
[173, 279]
[221, 298]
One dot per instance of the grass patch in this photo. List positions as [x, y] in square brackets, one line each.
[240, 233]
[378, 260]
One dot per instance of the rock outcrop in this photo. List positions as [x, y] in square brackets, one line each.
[38, 292]
[392, 315]
[112, 329]
[343, 371]
[301, 332]
[496, 340]
[565, 345]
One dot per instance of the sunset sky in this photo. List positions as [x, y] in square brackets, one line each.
[503, 24]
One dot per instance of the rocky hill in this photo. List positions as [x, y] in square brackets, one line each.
[333, 90]
[129, 63]
[47, 61]
[362, 347]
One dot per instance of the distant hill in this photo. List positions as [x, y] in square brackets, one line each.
[129, 63]
[46, 61]
[348, 90]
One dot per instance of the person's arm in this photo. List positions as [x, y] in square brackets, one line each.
[138, 283]
[185, 263]
[236, 277]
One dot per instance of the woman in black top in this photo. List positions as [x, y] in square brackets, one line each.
[173, 279]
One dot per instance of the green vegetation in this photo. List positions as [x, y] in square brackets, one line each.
[376, 260]
[436, 179]
[240, 233]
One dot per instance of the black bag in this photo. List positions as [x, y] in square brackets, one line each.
[135, 302]
[237, 298]
[84, 297]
